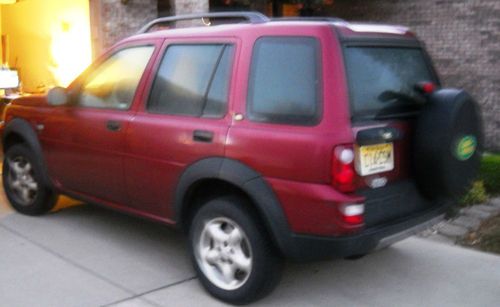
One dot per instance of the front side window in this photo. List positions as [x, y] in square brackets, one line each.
[114, 83]
[193, 80]
[284, 84]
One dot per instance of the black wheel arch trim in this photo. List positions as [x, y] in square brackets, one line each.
[246, 179]
[25, 131]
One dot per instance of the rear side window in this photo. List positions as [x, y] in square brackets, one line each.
[284, 82]
[192, 80]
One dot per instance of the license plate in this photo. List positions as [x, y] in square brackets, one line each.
[372, 159]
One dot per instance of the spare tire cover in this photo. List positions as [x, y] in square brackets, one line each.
[448, 144]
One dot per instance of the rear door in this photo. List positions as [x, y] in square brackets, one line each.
[385, 101]
[184, 119]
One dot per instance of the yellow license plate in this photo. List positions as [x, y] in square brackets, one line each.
[372, 159]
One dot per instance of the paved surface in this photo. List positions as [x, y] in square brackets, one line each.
[88, 256]
[467, 220]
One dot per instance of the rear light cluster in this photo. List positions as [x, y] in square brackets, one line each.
[352, 213]
[344, 180]
[343, 175]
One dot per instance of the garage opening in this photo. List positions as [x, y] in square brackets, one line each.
[45, 43]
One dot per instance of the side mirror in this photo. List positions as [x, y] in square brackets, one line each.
[57, 96]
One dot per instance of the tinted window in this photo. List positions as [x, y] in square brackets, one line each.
[382, 80]
[284, 80]
[114, 82]
[192, 80]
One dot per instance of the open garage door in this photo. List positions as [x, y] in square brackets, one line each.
[46, 41]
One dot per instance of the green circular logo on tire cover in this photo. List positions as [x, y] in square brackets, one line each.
[466, 147]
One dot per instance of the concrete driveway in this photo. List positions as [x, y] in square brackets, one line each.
[88, 256]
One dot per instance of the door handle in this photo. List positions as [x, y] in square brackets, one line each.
[203, 136]
[113, 125]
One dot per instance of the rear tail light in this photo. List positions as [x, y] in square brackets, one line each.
[343, 175]
[352, 213]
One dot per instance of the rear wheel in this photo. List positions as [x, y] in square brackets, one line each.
[232, 255]
[22, 183]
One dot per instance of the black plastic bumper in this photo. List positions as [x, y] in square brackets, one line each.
[306, 247]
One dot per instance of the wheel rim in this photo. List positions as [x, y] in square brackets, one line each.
[21, 180]
[223, 253]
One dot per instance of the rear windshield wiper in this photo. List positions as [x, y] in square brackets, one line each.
[389, 95]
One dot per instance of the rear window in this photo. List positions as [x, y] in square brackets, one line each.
[382, 80]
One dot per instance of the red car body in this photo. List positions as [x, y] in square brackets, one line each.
[133, 160]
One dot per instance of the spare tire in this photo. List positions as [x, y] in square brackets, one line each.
[448, 144]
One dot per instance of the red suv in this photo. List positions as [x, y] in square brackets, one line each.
[305, 139]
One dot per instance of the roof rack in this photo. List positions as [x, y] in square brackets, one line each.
[250, 17]
[326, 19]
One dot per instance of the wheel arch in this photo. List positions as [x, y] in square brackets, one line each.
[196, 186]
[19, 131]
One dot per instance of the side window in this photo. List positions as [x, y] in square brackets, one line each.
[192, 80]
[113, 84]
[284, 83]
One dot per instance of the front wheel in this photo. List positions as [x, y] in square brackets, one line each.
[21, 175]
[232, 255]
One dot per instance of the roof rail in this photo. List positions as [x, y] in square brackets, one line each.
[326, 19]
[250, 17]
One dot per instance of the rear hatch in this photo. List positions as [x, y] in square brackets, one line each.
[386, 80]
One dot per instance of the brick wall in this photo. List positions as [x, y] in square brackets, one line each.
[190, 6]
[463, 37]
[119, 20]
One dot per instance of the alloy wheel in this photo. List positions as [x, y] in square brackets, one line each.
[224, 254]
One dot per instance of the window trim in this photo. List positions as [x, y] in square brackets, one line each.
[161, 58]
[318, 116]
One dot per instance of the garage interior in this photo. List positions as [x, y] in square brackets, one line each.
[46, 43]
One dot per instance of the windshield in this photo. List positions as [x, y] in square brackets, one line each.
[382, 80]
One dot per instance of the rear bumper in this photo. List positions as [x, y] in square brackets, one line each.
[308, 247]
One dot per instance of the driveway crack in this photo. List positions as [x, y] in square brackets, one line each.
[151, 291]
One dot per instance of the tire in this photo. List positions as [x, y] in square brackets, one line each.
[448, 144]
[214, 226]
[21, 175]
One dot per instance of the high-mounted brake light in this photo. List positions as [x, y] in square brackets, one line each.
[425, 87]
[343, 175]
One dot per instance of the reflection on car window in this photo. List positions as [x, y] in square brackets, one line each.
[113, 84]
[192, 80]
